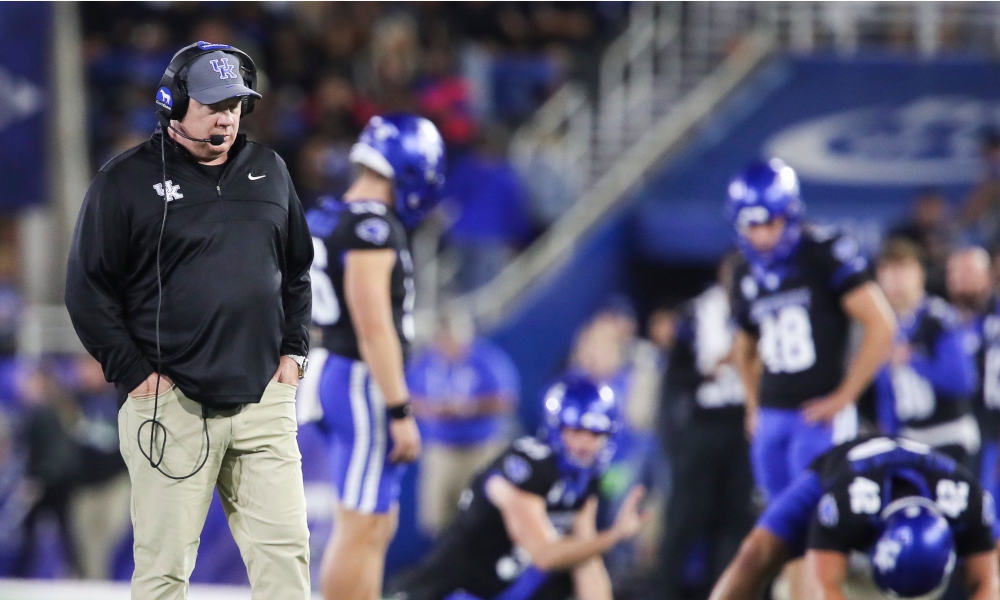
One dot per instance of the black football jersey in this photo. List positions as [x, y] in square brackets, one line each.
[862, 477]
[795, 311]
[475, 553]
[337, 228]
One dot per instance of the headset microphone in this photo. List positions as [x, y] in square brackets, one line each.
[215, 140]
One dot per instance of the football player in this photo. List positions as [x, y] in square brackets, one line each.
[795, 296]
[914, 512]
[925, 390]
[970, 291]
[363, 301]
[527, 529]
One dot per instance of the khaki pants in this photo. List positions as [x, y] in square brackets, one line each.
[444, 472]
[253, 460]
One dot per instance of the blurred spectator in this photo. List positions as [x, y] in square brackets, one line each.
[52, 465]
[15, 497]
[598, 353]
[709, 510]
[930, 227]
[487, 202]
[924, 392]
[968, 282]
[970, 290]
[981, 212]
[662, 327]
[395, 54]
[100, 505]
[444, 96]
[324, 169]
[463, 390]
[11, 305]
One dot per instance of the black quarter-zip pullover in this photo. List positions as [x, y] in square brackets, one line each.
[234, 264]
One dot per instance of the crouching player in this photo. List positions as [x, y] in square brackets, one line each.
[914, 512]
[526, 528]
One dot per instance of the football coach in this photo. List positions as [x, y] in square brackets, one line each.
[188, 280]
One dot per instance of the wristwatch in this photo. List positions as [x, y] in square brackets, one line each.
[303, 363]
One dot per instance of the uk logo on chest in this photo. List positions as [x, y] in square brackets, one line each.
[172, 192]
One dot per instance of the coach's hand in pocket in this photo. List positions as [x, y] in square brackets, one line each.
[147, 388]
[288, 371]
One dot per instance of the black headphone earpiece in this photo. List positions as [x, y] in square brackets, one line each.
[172, 98]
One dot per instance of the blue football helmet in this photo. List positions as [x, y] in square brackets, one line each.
[764, 191]
[408, 150]
[915, 554]
[576, 402]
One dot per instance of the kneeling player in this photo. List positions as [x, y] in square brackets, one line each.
[526, 527]
[913, 511]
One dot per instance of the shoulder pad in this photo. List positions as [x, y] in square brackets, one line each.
[373, 230]
[515, 468]
[844, 249]
[821, 233]
[367, 206]
[323, 219]
[533, 448]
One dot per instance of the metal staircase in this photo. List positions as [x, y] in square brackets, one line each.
[672, 67]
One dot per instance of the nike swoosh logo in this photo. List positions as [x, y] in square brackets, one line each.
[252, 178]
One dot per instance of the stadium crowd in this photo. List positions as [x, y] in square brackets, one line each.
[477, 70]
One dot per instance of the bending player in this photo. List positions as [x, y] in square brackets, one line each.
[914, 512]
[526, 529]
[362, 300]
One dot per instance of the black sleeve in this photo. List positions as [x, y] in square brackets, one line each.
[842, 264]
[738, 303]
[97, 262]
[296, 288]
[532, 471]
[364, 226]
[974, 527]
[835, 527]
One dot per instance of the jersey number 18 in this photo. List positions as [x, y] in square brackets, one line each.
[786, 342]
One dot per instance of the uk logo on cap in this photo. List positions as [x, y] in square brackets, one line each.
[224, 69]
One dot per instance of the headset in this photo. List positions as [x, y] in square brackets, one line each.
[172, 102]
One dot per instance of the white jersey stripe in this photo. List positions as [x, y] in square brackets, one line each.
[376, 400]
[362, 436]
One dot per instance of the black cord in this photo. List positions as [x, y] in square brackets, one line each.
[159, 356]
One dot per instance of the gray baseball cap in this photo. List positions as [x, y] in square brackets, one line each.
[215, 77]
